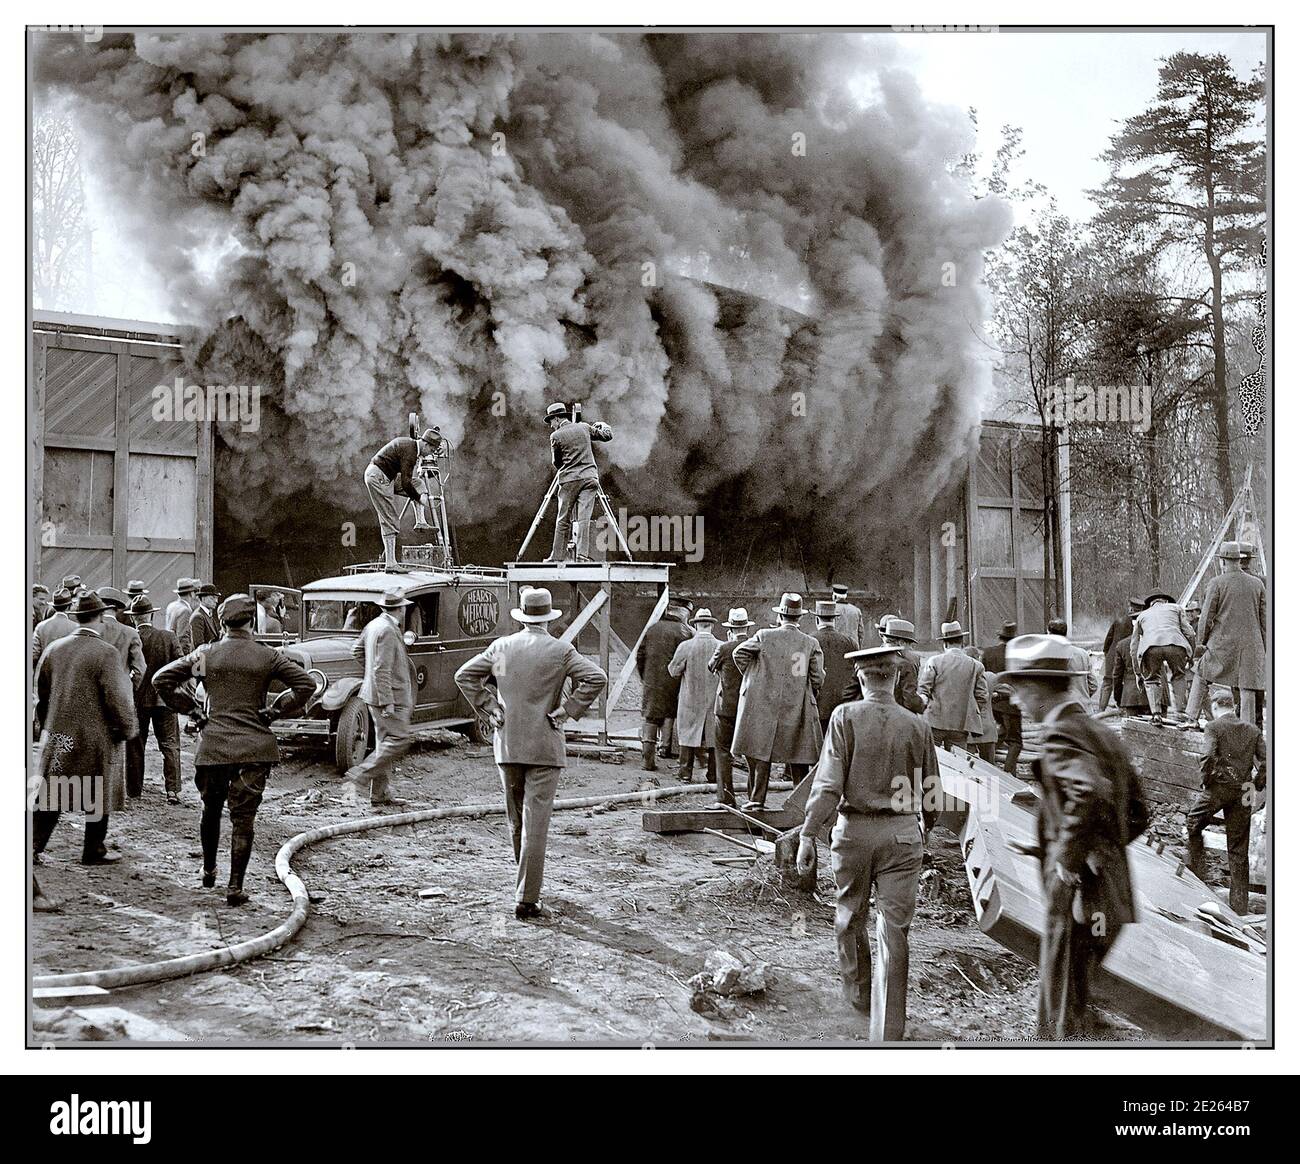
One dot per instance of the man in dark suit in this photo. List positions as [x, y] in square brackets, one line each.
[1005, 711]
[160, 647]
[659, 689]
[1090, 810]
[203, 626]
[839, 671]
[738, 627]
[85, 711]
[895, 631]
[119, 633]
[236, 746]
[1122, 627]
[528, 708]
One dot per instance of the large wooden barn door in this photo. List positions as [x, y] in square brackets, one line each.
[121, 490]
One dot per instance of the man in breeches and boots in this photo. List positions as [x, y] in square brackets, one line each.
[236, 745]
[392, 471]
[579, 480]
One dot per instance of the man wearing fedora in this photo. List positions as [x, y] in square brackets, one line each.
[878, 778]
[237, 748]
[579, 479]
[738, 626]
[116, 630]
[776, 719]
[528, 709]
[696, 727]
[1091, 808]
[176, 619]
[954, 690]
[835, 646]
[392, 471]
[134, 588]
[1162, 637]
[203, 626]
[896, 631]
[85, 712]
[72, 584]
[58, 625]
[160, 647]
[848, 616]
[389, 692]
[659, 688]
[1234, 633]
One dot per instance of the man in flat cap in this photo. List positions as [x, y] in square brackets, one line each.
[41, 609]
[1091, 808]
[579, 479]
[392, 471]
[236, 745]
[878, 778]
[528, 707]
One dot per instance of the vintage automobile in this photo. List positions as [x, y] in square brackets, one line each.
[454, 614]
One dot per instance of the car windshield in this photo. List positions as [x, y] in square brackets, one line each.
[338, 616]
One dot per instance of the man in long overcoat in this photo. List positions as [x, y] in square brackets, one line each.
[835, 644]
[658, 688]
[85, 711]
[695, 699]
[1234, 631]
[776, 721]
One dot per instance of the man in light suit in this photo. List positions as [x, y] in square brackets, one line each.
[387, 691]
[528, 710]
[776, 720]
[58, 625]
[848, 616]
[955, 692]
[177, 616]
[1162, 637]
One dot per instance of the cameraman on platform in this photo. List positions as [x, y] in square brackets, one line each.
[578, 479]
[392, 470]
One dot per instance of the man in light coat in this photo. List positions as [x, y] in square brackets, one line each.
[848, 617]
[659, 688]
[176, 619]
[776, 721]
[695, 718]
[1234, 631]
[1162, 637]
[954, 691]
[57, 626]
[528, 709]
[388, 693]
[85, 712]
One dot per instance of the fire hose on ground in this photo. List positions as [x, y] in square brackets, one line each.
[273, 939]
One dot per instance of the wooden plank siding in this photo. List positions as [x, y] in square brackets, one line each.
[119, 494]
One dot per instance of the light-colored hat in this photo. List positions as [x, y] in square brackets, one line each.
[556, 409]
[952, 630]
[1247, 550]
[535, 606]
[791, 606]
[738, 619]
[1038, 656]
[112, 596]
[1230, 550]
[134, 587]
[825, 609]
[897, 628]
[704, 614]
[394, 599]
[186, 586]
[869, 654]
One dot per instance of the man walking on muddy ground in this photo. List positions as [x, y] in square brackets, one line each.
[835, 646]
[738, 626]
[659, 689]
[389, 695]
[528, 709]
[879, 771]
[160, 647]
[1233, 633]
[696, 725]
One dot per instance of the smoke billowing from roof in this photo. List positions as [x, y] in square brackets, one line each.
[470, 226]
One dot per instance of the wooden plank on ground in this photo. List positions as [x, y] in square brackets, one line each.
[698, 820]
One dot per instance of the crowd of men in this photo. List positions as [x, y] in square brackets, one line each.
[866, 720]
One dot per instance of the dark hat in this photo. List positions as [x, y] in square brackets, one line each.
[1057, 626]
[61, 599]
[394, 599]
[556, 409]
[839, 589]
[1136, 603]
[791, 606]
[1247, 550]
[236, 607]
[113, 596]
[1008, 632]
[535, 606]
[140, 606]
[207, 590]
[71, 582]
[1159, 596]
[431, 436]
[134, 587]
[897, 628]
[825, 609]
[1037, 657]
[88, 604]
[951, 631]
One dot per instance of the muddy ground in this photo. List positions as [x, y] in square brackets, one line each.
[635, 914]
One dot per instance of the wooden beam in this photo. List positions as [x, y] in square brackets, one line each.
[699, 820]
[574, 629]
[121, 470]
[40, 348]
[630, 662]
[203, 501]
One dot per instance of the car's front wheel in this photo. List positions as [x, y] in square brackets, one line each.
[352, 737]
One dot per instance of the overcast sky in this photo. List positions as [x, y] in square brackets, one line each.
[1066, 90]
